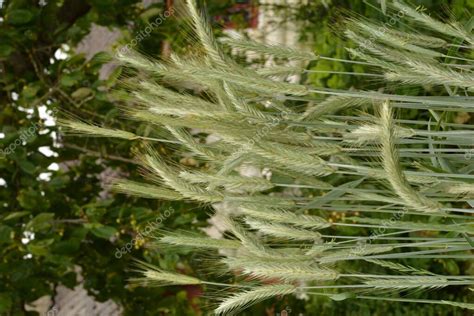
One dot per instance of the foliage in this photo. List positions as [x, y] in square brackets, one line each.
[52, 186]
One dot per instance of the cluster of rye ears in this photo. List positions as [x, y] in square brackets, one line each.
[409, 183]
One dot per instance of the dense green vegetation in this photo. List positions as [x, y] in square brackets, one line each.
[75, 219]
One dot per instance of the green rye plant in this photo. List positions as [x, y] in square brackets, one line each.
[407, 181]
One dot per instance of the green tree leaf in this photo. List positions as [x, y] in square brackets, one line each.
[15, 215]
[5, 50]
[40, 222]
[19, 16]
[82, 93]
[5, 302]
[104, 232]
[27, 166]
[41, 247]
[5, 234]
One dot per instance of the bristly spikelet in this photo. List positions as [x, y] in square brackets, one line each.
[282, 231]
[202, 28]
[459, 304]
[277, 51]
[93, 130]
[390, 161]
[145, 190]
[310, 165]
[376, 32]
[286, 217]
[184, 100]
[414, 72]
[248, 240]
[418, 39]
[250, 184]
[199, 242]
[137, 60]
[331, 105]
[355, 252]
[398, 267]
[171, 178]
[183, 136]
[147, 94]
[371, 134]
[465, 189]
[240, 300]
[452, 30]
[285, 271]
[279, 71]
[153, 276]
[250, 81]
[414, 282]
[240, 104]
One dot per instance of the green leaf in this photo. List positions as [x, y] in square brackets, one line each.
[58, 182]
[30, 91]
[30, 199]
[6, 233]
[95, 213]
[79, 233]
[452, 267]
[67, 247]
[5, 50]
[40, 222]
[82, 93]
[383, 5]
[15, 215]
[70, 79]
[341, 296]
[104, 231]
[27, 166]
[100, 58]
[5, 302]
[114, 76]
[69, 279]
[67, 81]
[75, 60]
[19, 17]
[152, 12]
[40, 248]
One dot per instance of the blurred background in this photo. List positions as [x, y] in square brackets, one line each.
[66, 241]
